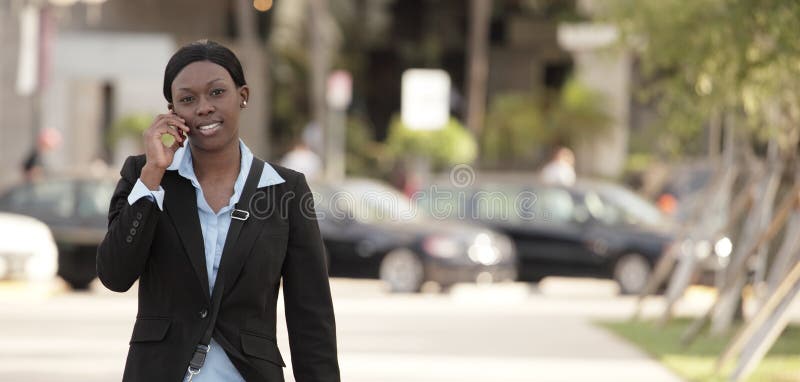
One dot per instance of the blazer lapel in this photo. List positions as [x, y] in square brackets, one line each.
[180, 203]
[233, 260]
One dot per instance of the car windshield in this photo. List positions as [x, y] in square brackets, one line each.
[94, 198]
[636, 209]
[370, 201]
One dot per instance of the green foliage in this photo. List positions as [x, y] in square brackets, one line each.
[515, 129]
[740, 57]
[580, 112]
[131, 125]
[695, 363]
[449, 145]
[520, 126]
[363, 153]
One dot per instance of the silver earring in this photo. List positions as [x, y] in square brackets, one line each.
[244, 104]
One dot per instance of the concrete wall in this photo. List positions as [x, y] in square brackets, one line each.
[185, 20]
[123, 43]
[16, 112]
[132, 64]
[606, 69]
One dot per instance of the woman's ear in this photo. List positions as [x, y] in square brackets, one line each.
[244, 95]
[170, 107]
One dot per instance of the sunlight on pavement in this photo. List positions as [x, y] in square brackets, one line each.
[26, 291]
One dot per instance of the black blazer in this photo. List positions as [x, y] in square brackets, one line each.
[164, 251]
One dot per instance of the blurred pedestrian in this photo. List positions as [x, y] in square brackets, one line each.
[560, 169]
[210, 231]
[302, 159]
[33, 166]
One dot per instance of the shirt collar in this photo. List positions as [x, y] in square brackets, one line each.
[182, 162]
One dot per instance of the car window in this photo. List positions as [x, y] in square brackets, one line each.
[555, 206]
[94, 199]
[52, 198]
[602, 211]
[442, 202]
[496, 203]
[18, 199]
[369, 202]
[629, 207]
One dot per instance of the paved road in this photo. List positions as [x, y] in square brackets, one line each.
[477, 333]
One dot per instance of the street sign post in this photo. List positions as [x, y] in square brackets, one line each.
[425, 100]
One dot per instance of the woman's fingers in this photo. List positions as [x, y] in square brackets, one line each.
[163, 129]
[173, 120]
[175, 146]
[178, 122]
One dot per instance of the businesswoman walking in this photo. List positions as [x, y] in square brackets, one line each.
[209, 230]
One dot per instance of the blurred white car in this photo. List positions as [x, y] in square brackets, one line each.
[27, 249]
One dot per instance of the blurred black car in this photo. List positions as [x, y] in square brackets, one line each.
[593, 229]
[682, 190]
[75, 208]
[372, 231]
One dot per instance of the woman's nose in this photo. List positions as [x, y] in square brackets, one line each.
[204, 107]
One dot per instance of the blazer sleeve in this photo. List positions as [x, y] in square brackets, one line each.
[123, 253]
[306, 293]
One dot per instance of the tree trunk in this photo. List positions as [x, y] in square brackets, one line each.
[478, 61]
[320, 65]
[253, 126]
[714, 216]
[757, 222]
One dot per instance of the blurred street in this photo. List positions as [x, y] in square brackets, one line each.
[509, 332]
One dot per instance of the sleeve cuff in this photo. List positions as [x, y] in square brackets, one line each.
[140, 191]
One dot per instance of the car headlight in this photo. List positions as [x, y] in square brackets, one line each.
[40, 267]
[3, 267]
[723, 247]
[702, 249]
[443, 246]
[483, 250]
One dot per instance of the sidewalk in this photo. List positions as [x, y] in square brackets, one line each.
[502, 334]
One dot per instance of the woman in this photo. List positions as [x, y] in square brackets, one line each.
[209, 231]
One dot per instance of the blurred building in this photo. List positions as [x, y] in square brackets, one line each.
[524, 54]
[102, 61]
[534, 47]
[106, 61]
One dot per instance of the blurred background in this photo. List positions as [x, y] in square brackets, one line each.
[508, 190]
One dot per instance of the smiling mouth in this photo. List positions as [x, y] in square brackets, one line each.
[209, 126]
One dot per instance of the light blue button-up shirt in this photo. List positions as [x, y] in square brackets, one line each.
[214, 226]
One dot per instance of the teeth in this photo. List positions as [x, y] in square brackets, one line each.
[208, 127]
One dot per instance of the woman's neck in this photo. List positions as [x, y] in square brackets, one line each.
[218, 165]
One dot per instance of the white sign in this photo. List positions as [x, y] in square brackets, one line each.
[425, 101]
[340, 90]
[28, 58]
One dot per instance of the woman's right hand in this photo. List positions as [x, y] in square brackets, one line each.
[159, 157]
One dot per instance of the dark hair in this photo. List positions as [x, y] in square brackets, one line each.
[203, 50]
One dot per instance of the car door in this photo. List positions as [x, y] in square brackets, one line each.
[607, 230]
[549, 235]
[340, 232]
[93, 199]
[54, 201]
[51, 201]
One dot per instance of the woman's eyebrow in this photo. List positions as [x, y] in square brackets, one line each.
[208, 83]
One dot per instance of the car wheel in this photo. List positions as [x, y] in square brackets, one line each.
[77, 268]
[78, 284]
[402, 271]
[631, 272]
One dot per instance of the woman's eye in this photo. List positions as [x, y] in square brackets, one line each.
[217, 92]
[186, 99]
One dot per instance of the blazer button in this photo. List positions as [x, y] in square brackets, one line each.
[139, 216]
[129, 239]
[203, 313]
[133, 231]
[135, 223]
